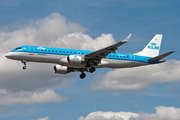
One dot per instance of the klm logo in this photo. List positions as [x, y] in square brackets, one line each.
[153, 46]
[75, 58]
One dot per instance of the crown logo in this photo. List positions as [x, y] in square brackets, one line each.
[153, 43]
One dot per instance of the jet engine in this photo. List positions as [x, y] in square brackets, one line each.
[62, 69]
[75, 59]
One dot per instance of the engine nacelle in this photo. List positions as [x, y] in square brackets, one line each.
[75, 59]
[62, 69]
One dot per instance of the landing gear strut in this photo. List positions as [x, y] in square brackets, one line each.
[24, 62]
[82, 75]
[92, 69]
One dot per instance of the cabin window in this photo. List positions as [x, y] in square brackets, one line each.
[79, 53]
[70, 52]
[49, 50]
[124, 56]
[41, 49]
[59, 51]
[56, 51]
[52, 50]
[82, 53]
[18, 48]
[67, 52]
[120, 56]
[128, 56]
[117, 55]
[63, 51]
[113, 55]
[74, 52]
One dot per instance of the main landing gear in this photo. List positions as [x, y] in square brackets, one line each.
[91, 70]
[82, 75]
[24, 62]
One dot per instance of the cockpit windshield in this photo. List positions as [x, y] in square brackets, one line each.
[18, 48]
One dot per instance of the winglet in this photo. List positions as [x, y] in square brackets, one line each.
[127, 38]
[160, 56]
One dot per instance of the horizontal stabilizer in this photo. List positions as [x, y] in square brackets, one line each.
[160, 56]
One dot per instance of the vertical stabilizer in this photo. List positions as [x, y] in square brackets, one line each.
[153, 47]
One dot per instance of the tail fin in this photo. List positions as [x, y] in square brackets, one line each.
[153, 47]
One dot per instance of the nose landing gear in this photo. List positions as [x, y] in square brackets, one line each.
[24, 62]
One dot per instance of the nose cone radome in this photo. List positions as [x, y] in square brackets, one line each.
[9, 55]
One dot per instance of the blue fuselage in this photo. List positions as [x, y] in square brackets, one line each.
[59, 56]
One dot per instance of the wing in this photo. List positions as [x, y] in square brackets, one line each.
[99, 54]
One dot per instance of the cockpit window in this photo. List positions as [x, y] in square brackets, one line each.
[18, 48]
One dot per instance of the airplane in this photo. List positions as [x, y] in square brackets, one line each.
[73, 60]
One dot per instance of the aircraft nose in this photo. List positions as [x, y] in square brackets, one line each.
[9, 54]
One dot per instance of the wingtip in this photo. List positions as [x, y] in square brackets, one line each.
[128, 36]
[125, 40]
[172, 51]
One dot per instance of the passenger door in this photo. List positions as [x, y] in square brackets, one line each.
[31, 50]
[132, 58]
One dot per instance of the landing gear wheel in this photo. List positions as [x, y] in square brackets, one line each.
[92, 69]
[82, 75]
[24, 67]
